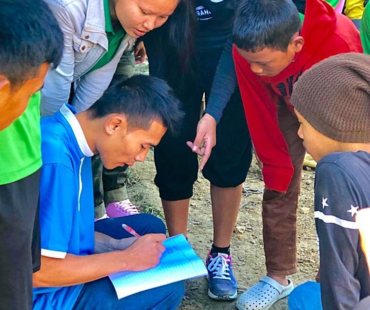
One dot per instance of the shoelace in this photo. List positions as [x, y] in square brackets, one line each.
[126, 205]
[219, 266]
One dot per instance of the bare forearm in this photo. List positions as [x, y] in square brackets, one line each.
[75, 270]
[142, 254]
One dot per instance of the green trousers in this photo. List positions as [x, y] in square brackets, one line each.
[110, 185]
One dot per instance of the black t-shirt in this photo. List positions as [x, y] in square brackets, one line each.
[215, 19]
[301, 5]
[215, 22]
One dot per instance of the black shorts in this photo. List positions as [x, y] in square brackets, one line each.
[19, 241]
[177, 165]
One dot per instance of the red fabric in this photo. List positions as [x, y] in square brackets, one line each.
[326, 34]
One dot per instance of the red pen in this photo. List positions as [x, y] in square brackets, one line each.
[130, 230]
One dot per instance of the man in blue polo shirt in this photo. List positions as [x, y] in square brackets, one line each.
[131, 117]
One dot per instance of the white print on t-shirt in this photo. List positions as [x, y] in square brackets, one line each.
[332, 219]
[324, 202]
[203, 13]
[353, 210]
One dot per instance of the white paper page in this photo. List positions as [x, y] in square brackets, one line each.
[179, 262]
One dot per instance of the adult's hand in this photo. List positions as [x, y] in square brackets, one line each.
[205, 139]
[145, 252]
[140, 53]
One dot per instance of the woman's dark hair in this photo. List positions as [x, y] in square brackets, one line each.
[170, 48]
[29, 36]
[181, 32]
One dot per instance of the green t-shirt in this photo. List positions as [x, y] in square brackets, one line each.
[20, 145]
[114, 39]
[365, 30]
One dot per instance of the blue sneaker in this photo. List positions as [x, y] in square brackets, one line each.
[221, 280]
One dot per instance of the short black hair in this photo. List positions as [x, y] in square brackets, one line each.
[263, 24]
[142, 99]
[29, 36]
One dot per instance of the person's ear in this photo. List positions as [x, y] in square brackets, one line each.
[4, 84]
[298, 42]
[43, 70]
[116, 123]
[4, 90]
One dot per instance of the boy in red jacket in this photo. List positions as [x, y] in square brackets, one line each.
[271, 52]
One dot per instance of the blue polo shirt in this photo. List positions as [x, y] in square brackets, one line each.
[66, 201]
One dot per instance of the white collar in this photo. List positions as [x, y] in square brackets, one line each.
[77, 130]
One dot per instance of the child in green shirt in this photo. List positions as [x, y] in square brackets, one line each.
[30, 41]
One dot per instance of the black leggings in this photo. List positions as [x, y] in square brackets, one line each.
[177, 165]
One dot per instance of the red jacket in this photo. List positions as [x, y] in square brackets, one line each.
[326, 34]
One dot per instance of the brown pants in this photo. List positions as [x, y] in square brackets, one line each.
[279, 210]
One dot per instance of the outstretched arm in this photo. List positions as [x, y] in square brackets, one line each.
[223, 87]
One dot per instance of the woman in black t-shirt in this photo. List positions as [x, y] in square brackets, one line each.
[193, 74]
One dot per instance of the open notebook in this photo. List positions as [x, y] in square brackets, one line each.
[178, 262]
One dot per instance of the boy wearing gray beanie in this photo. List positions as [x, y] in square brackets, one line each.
[332, 102]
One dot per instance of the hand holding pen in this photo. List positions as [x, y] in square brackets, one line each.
[145, 252]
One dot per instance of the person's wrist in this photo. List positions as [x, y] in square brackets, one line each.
[214, 114]
[210, 117]
[119, 260]
[126, 261]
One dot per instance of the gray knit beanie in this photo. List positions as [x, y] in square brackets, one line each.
[334, 97]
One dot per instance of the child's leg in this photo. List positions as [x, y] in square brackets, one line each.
[227, 169]
[177, 165]
[280, 209]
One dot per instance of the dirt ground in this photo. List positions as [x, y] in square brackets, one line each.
[246, 244]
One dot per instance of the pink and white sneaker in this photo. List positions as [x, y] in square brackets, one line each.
[121, 208]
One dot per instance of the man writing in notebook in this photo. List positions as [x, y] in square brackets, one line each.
[131, 117]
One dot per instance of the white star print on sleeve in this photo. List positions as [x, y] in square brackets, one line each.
[324, 202]
[353, 210]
